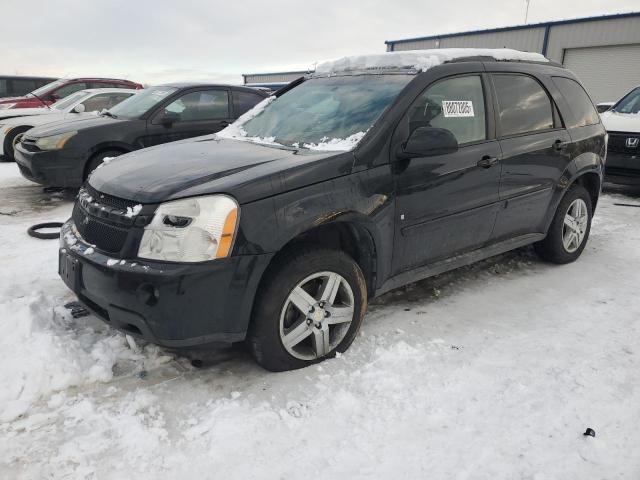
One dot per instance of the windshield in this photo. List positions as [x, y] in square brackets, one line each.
[70, 100]
[44, 89]
[630, 103]
[330, 113]
[141, 103]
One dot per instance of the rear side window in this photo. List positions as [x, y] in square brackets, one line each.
[455, 104]
[523, 105]
[579, 102]
[244, 101]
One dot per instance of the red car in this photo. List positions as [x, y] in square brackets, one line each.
[54, 91]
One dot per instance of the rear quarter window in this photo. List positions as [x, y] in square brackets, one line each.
[581, 106]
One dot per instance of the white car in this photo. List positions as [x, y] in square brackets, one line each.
[17, 121]
[622, 122]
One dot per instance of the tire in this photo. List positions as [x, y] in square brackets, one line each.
[7, 147]
[97, 160]
[275, 316]
[554, 247]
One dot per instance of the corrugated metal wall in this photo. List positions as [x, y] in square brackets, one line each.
[530, 40]
[272, 77]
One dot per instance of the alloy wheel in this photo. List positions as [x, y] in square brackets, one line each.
[575, 225]
[316, 315]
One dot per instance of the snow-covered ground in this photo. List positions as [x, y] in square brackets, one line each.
[490, 372]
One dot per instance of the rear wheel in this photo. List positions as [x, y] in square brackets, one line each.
[569, 229]
[11, 140]
[98, 159]
[310, 306]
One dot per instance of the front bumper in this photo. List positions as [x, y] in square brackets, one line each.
[170, 304]
[623, 168]
[54, 168]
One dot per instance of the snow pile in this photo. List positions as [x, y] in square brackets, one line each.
[420, 60]
[133, 211]
[336, 144]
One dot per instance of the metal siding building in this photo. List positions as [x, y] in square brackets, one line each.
[604, 52]
[271, 77]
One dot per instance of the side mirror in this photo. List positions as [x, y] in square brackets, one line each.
[428, 142]
[80, 108]
[604, 106]
[169, 118]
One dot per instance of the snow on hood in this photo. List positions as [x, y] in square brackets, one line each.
[420, 60]
[621, 122]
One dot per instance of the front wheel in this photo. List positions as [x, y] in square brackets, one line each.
[569, 230]
[11, 140]
[310, 306]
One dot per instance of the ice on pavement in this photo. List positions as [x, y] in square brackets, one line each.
[420, 60]
[489, 372]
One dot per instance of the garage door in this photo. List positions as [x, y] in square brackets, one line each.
[606, 72]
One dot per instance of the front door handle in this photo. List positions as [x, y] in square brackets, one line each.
[559, 145]
[487, 161]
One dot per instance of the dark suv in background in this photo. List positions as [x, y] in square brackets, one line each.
[371, 173]
[59, 89]
[14, 86]
[63, 153]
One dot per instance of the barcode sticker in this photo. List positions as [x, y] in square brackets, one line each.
[457, 108]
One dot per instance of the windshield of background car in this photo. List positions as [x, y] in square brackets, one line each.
[44, 89]
[630, 103]
[323, 109]
[70, 100]
[141, 103]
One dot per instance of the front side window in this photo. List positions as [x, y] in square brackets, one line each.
[140, 103]
[455, 104]
[523, 105]
[325, 113]
[66, 90]
[69, 100]
[200, 106]
[579, 102]
[630, 103]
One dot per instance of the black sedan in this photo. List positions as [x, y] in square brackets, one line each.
[62, 154]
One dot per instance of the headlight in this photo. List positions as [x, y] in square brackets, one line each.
[6, 106]
[54, 142]
[191, 230]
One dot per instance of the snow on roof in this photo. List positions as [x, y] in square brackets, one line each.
[420, 60]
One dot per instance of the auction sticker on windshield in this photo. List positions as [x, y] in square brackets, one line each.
[457, 108]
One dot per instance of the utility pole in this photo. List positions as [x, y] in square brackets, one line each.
[526, 13]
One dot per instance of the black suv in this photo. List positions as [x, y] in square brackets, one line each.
[62, 154]
[371, 173]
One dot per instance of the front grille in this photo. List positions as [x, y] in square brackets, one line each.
[105, 236]
[618, 143]
[109, 200]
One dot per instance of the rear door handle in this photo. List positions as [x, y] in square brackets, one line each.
[559, 145]
[487, 161]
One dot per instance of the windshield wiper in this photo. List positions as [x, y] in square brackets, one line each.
[42, 101]
[107, 113]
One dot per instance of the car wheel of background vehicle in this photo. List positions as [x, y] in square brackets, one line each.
[569, 230]
[97, 160]
[310, 306]
[12, 138]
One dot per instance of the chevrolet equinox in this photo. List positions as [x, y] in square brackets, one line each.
[373, 172]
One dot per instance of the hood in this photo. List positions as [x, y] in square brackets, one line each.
[73, 123]
[11, 99]
[207, 165]
[24, 112]
[35, 120]
[621, 122]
